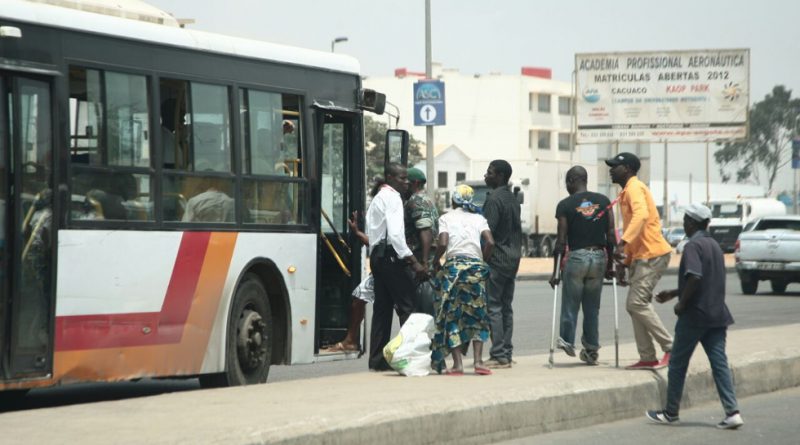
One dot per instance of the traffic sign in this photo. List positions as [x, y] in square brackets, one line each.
[429, 102]
[796, 153]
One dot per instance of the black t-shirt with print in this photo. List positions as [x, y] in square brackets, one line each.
[584, 229]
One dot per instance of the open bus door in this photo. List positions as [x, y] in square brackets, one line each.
[342, 189]
[27, 227]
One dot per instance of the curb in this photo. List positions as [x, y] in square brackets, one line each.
[364, 408]
[546, 276]
[586, 405]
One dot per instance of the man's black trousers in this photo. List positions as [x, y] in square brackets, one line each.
[394, 289]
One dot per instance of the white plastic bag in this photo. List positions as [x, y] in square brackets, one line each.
[409, 353]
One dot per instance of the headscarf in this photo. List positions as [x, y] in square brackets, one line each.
[462, 195]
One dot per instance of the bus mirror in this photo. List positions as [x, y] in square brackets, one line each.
[371, 100]
[396, 147]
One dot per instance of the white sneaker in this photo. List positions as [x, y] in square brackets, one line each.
[731, 422]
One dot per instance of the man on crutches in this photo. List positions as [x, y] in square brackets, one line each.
[586, 227]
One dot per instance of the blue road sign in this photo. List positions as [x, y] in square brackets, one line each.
[429, 102]
[796, 153]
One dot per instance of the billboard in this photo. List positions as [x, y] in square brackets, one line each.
[681, 96]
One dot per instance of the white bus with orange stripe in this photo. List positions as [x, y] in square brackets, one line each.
[162, 193]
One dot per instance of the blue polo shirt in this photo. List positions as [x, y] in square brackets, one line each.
[703, 258]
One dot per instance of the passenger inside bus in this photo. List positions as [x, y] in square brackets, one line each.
[173, 127]
[108, 195]
[211, 205]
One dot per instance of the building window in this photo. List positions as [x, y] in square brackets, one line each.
[544, 140]
[565, 106]
[564, 141]
[530, 101]
[460, 177]
[531, 138]
[544, 103]
[441, 180]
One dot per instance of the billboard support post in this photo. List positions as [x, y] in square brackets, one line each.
[708, 175]
[666, 190]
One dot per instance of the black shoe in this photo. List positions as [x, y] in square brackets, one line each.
[661, 417]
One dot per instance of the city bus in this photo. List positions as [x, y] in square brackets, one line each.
[169, 199]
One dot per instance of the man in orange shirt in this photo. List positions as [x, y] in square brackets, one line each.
[645, 252]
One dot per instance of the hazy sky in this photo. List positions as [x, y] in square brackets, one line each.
[483, 36]
[480, 36]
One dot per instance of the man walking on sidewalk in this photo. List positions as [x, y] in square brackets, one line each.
[703, 318]
[646, 253]
[586, 225]
[501, 211]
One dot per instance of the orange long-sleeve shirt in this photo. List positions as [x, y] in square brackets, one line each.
[642, 235]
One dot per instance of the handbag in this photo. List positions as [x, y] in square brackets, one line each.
[424, 298]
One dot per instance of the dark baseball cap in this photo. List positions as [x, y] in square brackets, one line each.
[628, 159]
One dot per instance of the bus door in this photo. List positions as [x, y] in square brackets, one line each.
[342, 192]
[26, 227]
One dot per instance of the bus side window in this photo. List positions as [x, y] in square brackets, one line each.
[271, 137]
[174, 123]
[109, 146]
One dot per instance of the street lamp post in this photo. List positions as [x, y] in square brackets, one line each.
[337, 40]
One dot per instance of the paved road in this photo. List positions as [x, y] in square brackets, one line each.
[533, 312]
[769, 419]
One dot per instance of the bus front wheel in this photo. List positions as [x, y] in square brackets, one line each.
[248, 348]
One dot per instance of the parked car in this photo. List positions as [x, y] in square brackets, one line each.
[769, 251]
[674, 235]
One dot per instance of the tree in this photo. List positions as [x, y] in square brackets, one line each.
[375, 138]
[768, 148]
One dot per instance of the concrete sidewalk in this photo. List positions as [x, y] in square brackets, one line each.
[541, 268]
[386, 408]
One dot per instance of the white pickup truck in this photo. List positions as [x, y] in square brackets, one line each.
[770, 250]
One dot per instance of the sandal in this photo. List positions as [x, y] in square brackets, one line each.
[454, 372]
[483, 371]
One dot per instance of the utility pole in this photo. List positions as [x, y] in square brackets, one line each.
[429, 173]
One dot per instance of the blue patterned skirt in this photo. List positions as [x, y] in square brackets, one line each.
[461, 314]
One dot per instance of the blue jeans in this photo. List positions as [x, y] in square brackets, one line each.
[713, 340]
[583, 284]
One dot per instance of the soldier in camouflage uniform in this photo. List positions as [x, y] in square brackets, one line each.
[422, 229]
[422, 219]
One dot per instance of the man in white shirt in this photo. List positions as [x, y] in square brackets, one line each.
[389, 256]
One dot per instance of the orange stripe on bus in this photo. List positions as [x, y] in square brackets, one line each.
[182, 358]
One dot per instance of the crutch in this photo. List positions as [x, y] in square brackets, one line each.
[555, 302]
[616, 315]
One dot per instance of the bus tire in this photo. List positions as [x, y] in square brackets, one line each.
[248, 343]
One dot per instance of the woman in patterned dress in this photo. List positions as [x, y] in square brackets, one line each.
[461, 316]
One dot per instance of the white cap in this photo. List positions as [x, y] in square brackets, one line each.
[698, 212]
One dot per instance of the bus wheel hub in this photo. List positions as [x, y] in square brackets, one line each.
[250, 341]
